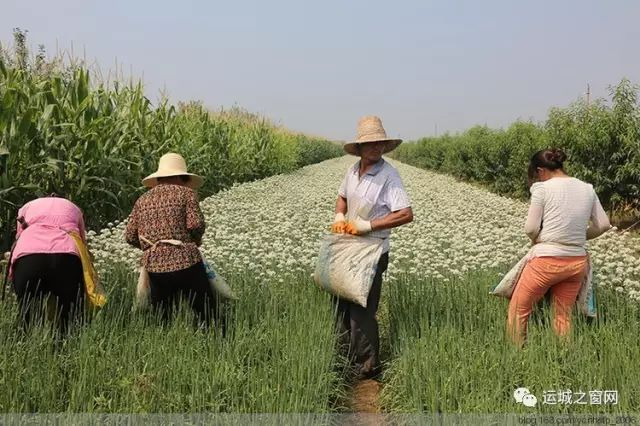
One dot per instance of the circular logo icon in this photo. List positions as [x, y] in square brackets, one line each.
[529, 400]
[520, 393]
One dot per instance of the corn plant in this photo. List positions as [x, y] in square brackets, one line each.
[94, 142]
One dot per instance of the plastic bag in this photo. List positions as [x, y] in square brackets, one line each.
[143, 289]
[508, 283]
[347, 266]
[217, 282]
[587, 296]
[96, 296]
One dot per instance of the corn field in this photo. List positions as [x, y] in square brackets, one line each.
[94, 142]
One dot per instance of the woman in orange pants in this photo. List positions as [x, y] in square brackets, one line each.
[558, 224]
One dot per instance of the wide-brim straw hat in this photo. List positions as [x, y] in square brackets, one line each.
[370, 130]
[172, 164]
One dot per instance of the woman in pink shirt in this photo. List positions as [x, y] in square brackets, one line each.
[45, 260]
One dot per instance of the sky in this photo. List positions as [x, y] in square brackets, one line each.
[424, 67]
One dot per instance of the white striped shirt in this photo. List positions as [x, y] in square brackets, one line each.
[378, 193]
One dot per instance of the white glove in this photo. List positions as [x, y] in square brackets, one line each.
[339, 224]
[358, 226]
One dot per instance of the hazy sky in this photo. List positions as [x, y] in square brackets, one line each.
[317, 66]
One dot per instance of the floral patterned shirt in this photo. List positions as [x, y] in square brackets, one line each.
[167, 212]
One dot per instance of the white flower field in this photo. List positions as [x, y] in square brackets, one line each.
[272, 228]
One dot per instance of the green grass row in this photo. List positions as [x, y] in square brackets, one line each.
[445, 346]
[279, 356]
[450, 353]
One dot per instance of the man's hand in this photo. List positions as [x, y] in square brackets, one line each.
[358, 227]
[339, 224]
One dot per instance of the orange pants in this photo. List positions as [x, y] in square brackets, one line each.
[562, 276]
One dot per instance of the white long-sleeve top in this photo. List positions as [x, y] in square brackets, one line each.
[559, 216]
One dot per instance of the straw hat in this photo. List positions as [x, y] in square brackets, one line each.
[172, 164]
[370, 130]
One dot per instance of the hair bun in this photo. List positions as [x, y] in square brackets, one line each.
[557, 155]
[550, 159]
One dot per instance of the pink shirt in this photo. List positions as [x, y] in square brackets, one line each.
[47, 219]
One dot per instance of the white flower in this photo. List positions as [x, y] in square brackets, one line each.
[273, 228]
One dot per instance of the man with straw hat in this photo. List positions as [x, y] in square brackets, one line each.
[168, 225]
[371, 201]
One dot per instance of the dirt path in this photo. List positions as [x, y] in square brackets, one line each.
[365, 397]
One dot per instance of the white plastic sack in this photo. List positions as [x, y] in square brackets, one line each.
[587, 295]
[218, 284]
[347, 265]
[143, 289]
[508, 283]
